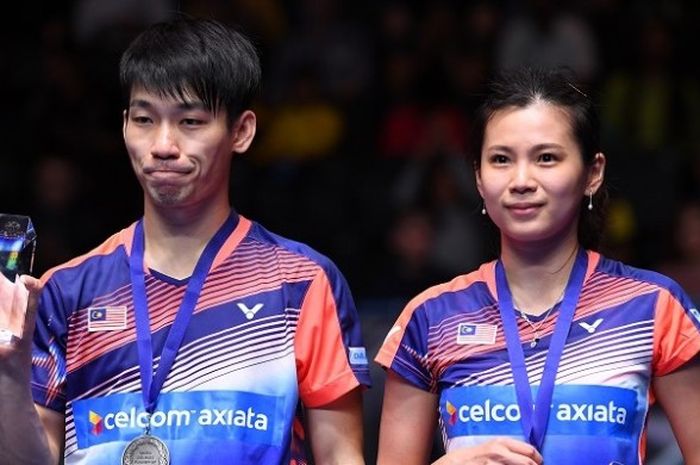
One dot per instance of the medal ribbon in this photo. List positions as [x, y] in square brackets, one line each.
[152, 383]
[534, 417]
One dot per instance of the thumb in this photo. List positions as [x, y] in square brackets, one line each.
[34, 286]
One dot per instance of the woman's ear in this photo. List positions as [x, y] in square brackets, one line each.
[477, 176]
[596, 174]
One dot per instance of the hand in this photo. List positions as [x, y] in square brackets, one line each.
[18, 303]
[500, 451]
[31, 434]
[34, 287]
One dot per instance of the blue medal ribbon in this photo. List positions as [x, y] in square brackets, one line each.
[534, 417]
[152, 383]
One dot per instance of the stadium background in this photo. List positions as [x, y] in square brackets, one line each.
[363, 119]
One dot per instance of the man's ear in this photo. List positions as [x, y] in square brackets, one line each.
[243, 132]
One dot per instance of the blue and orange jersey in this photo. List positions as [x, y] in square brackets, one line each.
[275, 328]
[630, 325]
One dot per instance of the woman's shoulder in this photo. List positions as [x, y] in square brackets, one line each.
[476, 282]
[618, 269]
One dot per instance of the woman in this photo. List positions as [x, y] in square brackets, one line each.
[553, 353]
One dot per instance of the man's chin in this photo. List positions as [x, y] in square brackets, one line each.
[168, 196]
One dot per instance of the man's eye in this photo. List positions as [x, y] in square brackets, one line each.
[192, 122]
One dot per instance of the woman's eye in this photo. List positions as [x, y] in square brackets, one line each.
[499, 159]
[547, 157]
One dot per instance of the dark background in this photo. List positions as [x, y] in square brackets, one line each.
[364, 115]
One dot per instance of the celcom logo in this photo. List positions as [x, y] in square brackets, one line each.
[451, 412]
[134, 419]
[247, 418]
[489, 411]
[197, 415]
[575, 410]
[97, 423]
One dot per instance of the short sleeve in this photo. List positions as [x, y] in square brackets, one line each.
[677, 331]
[405, 348]
[49, 350]
[330, 354]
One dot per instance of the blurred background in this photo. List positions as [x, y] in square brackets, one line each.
[363, 120]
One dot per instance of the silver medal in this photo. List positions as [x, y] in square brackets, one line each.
[146, 450]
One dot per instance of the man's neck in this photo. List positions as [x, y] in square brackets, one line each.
[538, 273]
[175, 238]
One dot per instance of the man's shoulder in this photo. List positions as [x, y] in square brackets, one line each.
[290, 248]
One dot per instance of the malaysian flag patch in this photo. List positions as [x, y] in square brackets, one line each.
[476, 333]
[106, 318]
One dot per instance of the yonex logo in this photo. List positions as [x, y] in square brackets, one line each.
[249, 312]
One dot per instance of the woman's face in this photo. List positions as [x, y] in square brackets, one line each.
[532, 176]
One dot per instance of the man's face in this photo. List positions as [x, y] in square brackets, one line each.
[180, 151]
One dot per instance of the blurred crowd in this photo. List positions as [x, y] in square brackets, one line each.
[364, 118]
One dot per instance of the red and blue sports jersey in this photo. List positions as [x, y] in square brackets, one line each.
[630, 325]
[275, 327]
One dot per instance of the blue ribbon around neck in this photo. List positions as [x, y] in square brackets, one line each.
[152, 383]
[534, 417]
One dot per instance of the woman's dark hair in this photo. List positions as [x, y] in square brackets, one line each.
[522, 87]
[187, 56]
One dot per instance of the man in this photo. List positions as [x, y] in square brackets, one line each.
[195, 335]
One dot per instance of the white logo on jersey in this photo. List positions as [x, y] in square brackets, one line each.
[695, 313]
[245, 418]
[591, 328]
[249, 312]
[595, 412]
[357, 355]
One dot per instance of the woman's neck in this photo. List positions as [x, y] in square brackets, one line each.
[175, 238]
[538, 273]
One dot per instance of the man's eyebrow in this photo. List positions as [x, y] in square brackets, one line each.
[195, 105]
[139, 103]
